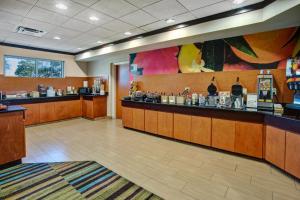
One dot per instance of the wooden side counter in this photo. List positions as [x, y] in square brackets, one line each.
[94, 106]
[261, 135]
[12, 134]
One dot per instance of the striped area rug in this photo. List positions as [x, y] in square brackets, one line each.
[67, 180]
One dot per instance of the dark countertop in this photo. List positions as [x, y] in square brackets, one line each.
[12, 109]
[283, 121]
[29, 100]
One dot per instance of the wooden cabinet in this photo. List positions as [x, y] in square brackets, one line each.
[292, 154]
[201, 130]
[87, 109]
[249, 139]
[94, 107]
[138, 117]
[12, 137]
[275, 146]
[182, 127]
[151, 121]
[32, 114]
[127, 117]
[223, 134]
[67, 109]
[165, 124]
[47, 112]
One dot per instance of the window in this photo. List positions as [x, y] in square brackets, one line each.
[33, 67]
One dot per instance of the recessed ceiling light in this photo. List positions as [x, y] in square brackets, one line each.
[93, 18]
[139, 37]
[56, 38]
[99, 42]
[79, 48]
[238, 1]
[181, 26]
[127, 33]
[169, 21]
[61, 6]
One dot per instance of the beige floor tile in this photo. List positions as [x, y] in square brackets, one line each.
[277, 196]
[167, 168]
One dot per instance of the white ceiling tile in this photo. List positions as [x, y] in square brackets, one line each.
[101, 32]
[195, 4]
[86, 39]
[142, 3]
[115, 8]
[30, 23]
[68, 33]
[165, 9]
[118, 26]
[73, 8]
[29, 1]
[87, 13]
[138, 18]
[47, 16]
[213, 9]
[85, 2]
[7, 27]
[245, 3]
[15, 7]
[16, 38]
[78, 25]
[183, 18]
[154, 26]
[120, 36]
[4, 34]
[10, 18]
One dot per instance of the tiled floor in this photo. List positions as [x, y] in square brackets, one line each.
[169, 169]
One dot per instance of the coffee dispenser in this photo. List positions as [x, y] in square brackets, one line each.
[212, 98]
[265, 91]
[237, 95]
[293, 81]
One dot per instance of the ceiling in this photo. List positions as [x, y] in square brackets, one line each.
[78, 32]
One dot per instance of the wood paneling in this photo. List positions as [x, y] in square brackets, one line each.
[32, 114]
[201, 130]
[182, 127]
[292, 154]
[12, 137]
[151, 121]
[165, 124]
[122, 86]
[31, 84]
[200, 81]
[249, 138]
[47, 112]
[223, 134]
[138, 118]
[275, 146]
[67, 109]
[127, 117]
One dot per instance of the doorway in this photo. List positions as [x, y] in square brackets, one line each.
[122, 86]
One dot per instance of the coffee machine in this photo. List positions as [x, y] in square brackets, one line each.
[212, 98]
[265, 93]
[237, 95]
[293, 81]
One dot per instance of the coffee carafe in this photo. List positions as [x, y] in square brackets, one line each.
[212, 98]
[237, 95]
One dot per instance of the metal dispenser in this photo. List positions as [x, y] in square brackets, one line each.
[265, 91]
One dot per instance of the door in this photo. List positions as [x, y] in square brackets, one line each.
[182, 127]
[122, 86]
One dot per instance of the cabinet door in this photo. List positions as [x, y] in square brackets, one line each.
[47, 112]
[223, 134]
[201, 130]
[165, 124]
[182, 127]
[249, 139]
[87, 109]
[151, 121]
[68, 109]
[100, 106]
[275, 146]
[138, 117]
[75, 108]
[292, 154]
[127, 117]
[12, 137]
[32, 113]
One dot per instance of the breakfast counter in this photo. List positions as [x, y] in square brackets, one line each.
[12, 134]
[260, 134]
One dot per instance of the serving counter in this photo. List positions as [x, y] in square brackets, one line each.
[260, 134]
[12, 134]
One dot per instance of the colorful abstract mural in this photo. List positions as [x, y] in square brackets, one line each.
[266, 50]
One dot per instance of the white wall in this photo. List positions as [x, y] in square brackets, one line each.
[72, 68]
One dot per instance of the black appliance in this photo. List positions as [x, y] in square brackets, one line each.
[84, 90]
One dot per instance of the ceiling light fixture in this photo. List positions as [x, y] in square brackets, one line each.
[99, 42]
[79, 48]
[93, 18]
[56, 38]
[61, 6]
[127, 33]
[170, 21]
[181, 26]
[238, 1]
